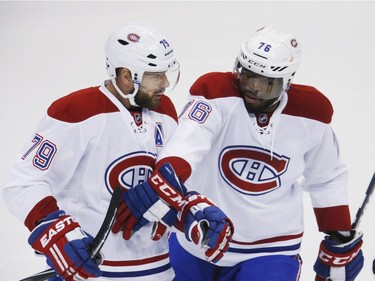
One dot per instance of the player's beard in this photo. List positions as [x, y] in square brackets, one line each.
[149, 99]
[260, 106]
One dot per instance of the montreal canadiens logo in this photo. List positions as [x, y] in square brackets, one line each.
[250, 170]
[134, 37]
[129, 170]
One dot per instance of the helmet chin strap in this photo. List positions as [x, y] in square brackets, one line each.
[130, 97]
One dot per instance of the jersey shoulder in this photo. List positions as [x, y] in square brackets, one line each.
[81, 105]
[215, 85]
[306, 101]
[167, 107]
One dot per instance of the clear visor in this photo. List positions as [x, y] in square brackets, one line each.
[163, 82]
[260, 86]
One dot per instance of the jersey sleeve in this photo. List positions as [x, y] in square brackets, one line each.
[199, 123]
[45, 164]
[325, 178]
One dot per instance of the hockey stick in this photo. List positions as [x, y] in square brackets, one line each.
[361, 209]
[99, 239]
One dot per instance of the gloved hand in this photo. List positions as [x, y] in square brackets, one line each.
[156, 200]
[340, 257]
[207, 225]
[60, 238]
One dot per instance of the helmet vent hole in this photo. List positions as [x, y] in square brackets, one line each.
[152, 64]
[123, 42]
[151, 56]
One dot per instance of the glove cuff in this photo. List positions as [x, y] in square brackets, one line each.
[336, 242]
[332, 258]
[166, 191]
[52, 229]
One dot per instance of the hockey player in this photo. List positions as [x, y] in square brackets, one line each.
[253, 142]
[90, 142]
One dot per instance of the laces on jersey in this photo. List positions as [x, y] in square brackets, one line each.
[139, 129]
[143, 128]
[263, 131]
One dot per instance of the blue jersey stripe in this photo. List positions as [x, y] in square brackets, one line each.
[137, 273]
[266, 249]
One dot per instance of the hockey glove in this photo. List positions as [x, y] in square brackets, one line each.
[60, 238]
[205, 224]
[340, 257]
[156, 200]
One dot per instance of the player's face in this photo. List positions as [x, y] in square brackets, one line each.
[151, 89]
[258, 91]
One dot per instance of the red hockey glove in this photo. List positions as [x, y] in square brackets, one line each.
[60, 238]
[205, 224]
[340, 257]
[156, 200]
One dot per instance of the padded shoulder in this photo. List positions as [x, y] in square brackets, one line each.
[166, 107]
[308, 102]
[81, 105]
[215, 85]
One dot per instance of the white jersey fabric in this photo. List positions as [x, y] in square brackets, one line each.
[85, 146]
[256, 174]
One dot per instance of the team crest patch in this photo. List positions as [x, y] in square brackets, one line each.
[250, 170]
[129, 170]
[134, 37]
[294, 43]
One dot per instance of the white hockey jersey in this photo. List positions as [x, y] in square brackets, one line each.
[255, 167]
[85, 146]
